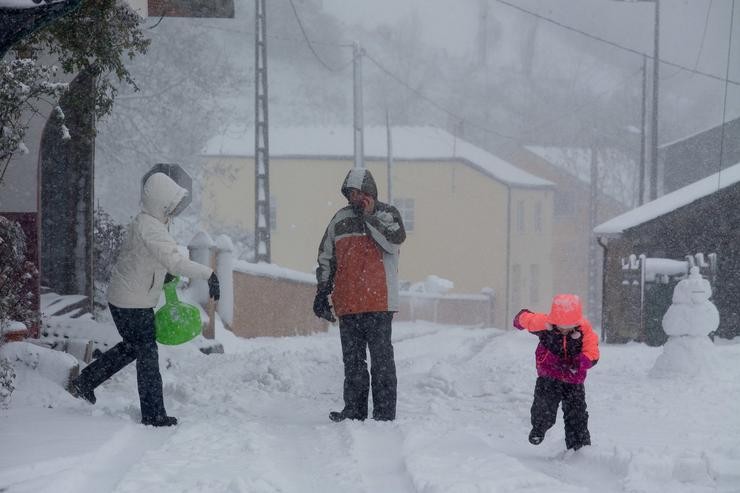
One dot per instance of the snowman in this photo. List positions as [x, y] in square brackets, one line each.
[688, 322]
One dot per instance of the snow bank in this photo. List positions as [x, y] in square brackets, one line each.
[256, 420]
[52, 365]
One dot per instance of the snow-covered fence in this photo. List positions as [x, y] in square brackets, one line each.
[457, 309]
[273, 301]
[224, 271]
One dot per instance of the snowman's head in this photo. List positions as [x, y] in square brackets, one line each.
[692, 290]
[701, 290]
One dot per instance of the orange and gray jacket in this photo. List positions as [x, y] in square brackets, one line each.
[358, 255]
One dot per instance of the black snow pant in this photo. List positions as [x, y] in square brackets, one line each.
[548, 393]
[359, 332]
[136, 326]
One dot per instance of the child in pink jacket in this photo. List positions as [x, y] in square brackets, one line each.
[568, 348]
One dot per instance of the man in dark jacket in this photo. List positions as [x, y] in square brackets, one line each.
[358, 269]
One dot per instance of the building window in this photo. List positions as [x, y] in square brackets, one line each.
[520, 216]
[534, 283]
[516, 287]
[273, 213]
[406, 208]
[538, 217]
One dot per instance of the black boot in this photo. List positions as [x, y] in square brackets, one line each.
[338, 416]
[79, 391]
[536, 436]
[159, 421]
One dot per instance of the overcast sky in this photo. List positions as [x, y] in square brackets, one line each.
[453, 23]
[693, 33]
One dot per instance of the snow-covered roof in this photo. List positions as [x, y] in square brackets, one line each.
[616, 168]
[670, 202]
[409, 143]
[729, 122]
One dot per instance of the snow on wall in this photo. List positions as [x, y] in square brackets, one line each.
[274, 271]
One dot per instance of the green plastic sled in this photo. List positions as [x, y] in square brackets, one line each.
[176, 322]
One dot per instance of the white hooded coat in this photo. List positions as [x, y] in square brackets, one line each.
[149, 252]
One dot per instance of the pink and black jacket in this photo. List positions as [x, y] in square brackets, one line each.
[561, 357]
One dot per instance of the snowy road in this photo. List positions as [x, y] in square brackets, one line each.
[255, 420]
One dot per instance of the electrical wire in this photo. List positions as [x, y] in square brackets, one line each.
[615, 44]
[310, 45]
[704, 35]
[581, 107]
[158, 22]
[432, 102]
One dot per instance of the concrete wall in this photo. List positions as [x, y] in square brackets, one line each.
[266, 306]
[270, 306]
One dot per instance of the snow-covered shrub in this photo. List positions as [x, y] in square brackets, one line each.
[7, 381]
[108, 240]
[16, 276]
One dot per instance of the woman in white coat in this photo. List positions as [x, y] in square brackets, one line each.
[147, 256]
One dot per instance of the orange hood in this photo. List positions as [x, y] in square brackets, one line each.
[566, 309]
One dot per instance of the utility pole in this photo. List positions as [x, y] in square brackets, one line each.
[358, 118]
[261, 140]
[593, 267]
[390, 155]
[643, 133]
[654, 133]
[653, 194]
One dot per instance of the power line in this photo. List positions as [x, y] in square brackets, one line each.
[581, 107]
[432, 102]
[704, 35]
[310, 45]
[615, 44]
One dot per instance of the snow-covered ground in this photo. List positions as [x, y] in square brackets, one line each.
[255, 420]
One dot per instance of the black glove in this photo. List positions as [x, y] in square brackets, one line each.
[321, 306]
[214, 291]
[553, 342]
[168, 278]
[515, 322]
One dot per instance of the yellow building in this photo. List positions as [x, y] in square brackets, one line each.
[471, 217]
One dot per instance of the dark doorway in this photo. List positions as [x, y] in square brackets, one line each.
[66, 193]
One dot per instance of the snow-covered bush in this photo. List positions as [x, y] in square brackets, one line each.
[16, 276]
[15, 296]
[109, 237]
[7, 381]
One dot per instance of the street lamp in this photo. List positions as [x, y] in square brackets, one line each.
[654, 117]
